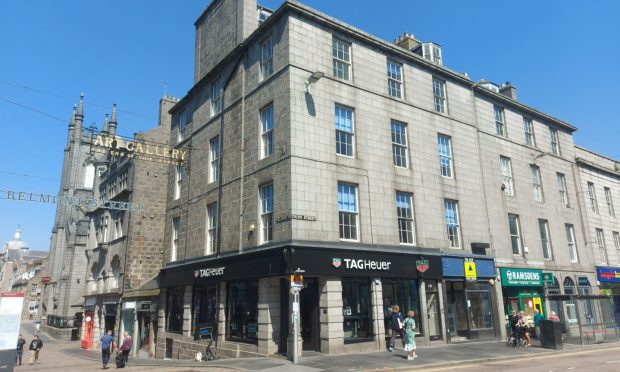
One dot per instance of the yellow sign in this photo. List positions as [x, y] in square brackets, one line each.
[470, 270]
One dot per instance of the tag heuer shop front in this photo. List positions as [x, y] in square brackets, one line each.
[244, 300]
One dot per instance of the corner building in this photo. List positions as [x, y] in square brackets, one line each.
[315, 146]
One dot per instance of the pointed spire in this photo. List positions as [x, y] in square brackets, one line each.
[105, 124]
[113, 122]
[80, 109]
[79, 117]
[71, 126]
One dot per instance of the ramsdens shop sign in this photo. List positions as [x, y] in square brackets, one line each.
[521, 277]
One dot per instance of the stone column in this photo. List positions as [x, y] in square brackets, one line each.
[376, 302]
[424, 312]
[331, 318]
[442, 315]
[187, 311]
[268, 315]
[221, 312]
[160, 348]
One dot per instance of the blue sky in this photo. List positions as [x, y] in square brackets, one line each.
[561, 55]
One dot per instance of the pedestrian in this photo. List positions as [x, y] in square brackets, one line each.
[523, 323]
[410, 336]
[537, 318]
[126, 346]
[19, 352]
[35, 346]
[554, 317]
[107, 346]
[397, 323]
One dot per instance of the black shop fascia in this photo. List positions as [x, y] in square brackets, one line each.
[314, 261]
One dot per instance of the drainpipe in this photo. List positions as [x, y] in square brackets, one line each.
[218, 247]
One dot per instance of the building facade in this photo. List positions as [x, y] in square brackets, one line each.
[383, 176]
[123, 249]
[599, 182]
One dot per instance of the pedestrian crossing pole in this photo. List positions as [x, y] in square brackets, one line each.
[297, 284]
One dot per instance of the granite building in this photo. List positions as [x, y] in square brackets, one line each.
[123, 249]
[383, 176]
[599, 182]
[62, 295]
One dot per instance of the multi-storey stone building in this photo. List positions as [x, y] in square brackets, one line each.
[67, 259]
[124, 246]
[384, 176]
[599, 182]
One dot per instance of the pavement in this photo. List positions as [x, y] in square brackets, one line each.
[462, 354]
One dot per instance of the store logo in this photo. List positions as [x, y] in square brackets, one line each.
[522, 275]
[350, 263]
[422, 265]
[213, 271]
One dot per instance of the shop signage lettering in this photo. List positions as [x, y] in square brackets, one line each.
[352, 264]
[608, 274]
[212, 271]
[77, 201]
[118, 147]
[521, 277]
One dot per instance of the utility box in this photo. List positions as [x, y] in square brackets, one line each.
[550, 334]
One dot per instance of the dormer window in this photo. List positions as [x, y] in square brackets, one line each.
[432, 52]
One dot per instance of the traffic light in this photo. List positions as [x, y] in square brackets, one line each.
[297, 280]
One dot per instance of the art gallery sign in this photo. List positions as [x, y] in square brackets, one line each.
[140, 149]
[85, 202]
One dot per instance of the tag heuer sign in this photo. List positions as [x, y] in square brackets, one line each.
[422, 265]
[336, 262]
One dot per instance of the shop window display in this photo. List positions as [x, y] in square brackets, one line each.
[356, 309]
[242, 311]
[404, 293]
[174, 310]
[204, 306]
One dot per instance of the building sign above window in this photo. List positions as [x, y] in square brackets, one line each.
[608, 274]
[140, 149]
[521, 277]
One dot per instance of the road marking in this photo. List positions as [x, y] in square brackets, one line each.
[571, 368]
[612, 361]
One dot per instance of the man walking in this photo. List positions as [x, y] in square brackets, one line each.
[35, 346]
[107, 345]
[21, 341]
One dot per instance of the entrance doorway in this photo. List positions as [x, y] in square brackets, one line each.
[432, 308]
[309, 313]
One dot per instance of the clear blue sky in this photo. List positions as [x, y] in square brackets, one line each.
[563, 56]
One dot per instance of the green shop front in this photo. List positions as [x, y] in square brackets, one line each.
[522, 290]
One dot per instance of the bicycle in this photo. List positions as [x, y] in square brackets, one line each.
[211, 353]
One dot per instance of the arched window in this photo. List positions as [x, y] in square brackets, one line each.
[571, 308]
[569, 286]
[89, 176]
[116, 271]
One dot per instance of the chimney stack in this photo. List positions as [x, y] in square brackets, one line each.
[407, 41]
[508, 90]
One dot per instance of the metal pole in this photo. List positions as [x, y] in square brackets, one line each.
[295, 326]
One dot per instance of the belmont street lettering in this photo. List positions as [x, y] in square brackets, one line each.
[119, 147]
[69, 200]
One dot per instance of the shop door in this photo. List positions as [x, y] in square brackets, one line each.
[432, 308]
[144, 322]
[309, 313]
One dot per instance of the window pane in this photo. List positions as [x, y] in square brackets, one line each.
[404, 211]
[356, 309]
[445, 155]
[399, 144]
[344, 131]
[452, 223]
[242, 311]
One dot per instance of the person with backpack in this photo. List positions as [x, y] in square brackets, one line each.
[397, 324]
